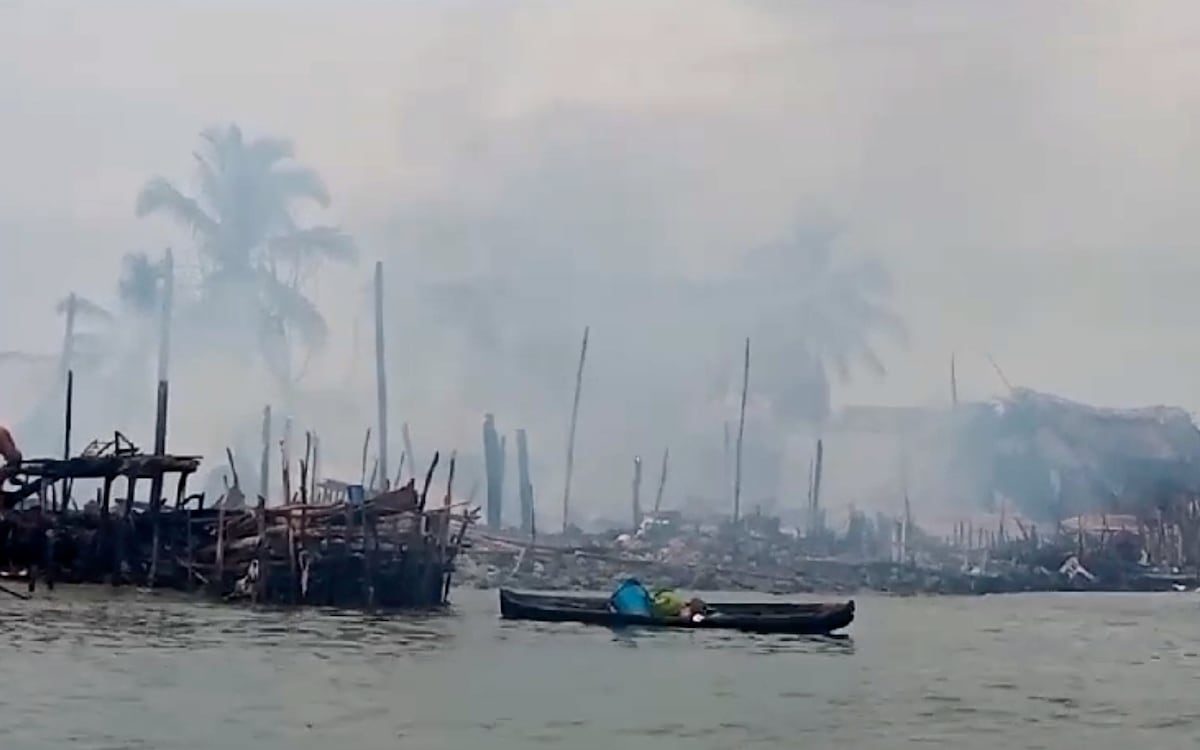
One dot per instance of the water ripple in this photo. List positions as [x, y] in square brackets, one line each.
[99, 668]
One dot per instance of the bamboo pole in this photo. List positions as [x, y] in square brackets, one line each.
[68, 417]
[953, 383]
[662, 481]
[566, 514]
[493, 463]
[737, 475]
[162, 403]
[260, 517]
[637, 492]
[264, 479]
[525, 487]
[381, 376]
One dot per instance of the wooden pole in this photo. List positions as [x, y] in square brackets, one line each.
[285, 462]
[662, 481]
[106, 520]
[163, 399]
[737, 469]
[525, 487]
[815, 511]
[381, 376]
[262, 553]
[315, 468]
[493, 463]
[217, 582]
[67, 419]
[264, 469]
[566, 514]
[953, 383]
[637, 492]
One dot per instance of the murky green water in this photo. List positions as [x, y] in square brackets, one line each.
[1045, 671]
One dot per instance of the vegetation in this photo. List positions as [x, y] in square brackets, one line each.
[814, 318]
[255, 261]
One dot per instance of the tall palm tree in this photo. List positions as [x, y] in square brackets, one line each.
[814, 317]
[254, 259]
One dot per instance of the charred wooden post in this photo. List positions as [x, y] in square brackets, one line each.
[261, 558]
[566, 504]
[815, 521]
[524, 486]
[68, 417]
[493, 460]
[662, 481]
[162, 398]
[264, 477]
[364, 551]
[637, 492]
[737, 476]
[381, 377]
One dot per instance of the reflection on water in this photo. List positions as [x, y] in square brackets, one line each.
[121, 669]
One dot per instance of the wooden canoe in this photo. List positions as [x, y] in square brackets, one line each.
[754, 617]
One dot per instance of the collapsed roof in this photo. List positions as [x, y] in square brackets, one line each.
[1063, 458]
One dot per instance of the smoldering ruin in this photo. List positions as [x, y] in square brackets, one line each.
[671, 220]
[1045, 494]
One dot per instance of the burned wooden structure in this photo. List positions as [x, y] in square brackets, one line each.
[339, 545]
[112, 537]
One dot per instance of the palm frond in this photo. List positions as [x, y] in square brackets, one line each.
[294, 310]
[314, 243]
[225, 143]
[208, 178]
[295, 182]
[267, 151]
[159, 195]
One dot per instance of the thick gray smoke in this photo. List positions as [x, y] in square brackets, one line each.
[1022, 170]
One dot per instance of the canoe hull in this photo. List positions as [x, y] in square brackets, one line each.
[795, 619]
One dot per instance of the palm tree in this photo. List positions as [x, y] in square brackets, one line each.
[814, 317]
[254, 259]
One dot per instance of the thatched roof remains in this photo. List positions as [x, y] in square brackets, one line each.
[1103, 459]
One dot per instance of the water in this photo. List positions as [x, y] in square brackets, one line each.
[82, 670]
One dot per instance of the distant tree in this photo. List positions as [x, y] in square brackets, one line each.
[814, 317]
[254, 259]
[139, 285]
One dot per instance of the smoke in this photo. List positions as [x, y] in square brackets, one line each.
[1023, 170]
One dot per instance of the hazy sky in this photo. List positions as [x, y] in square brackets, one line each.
[1025, 168]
